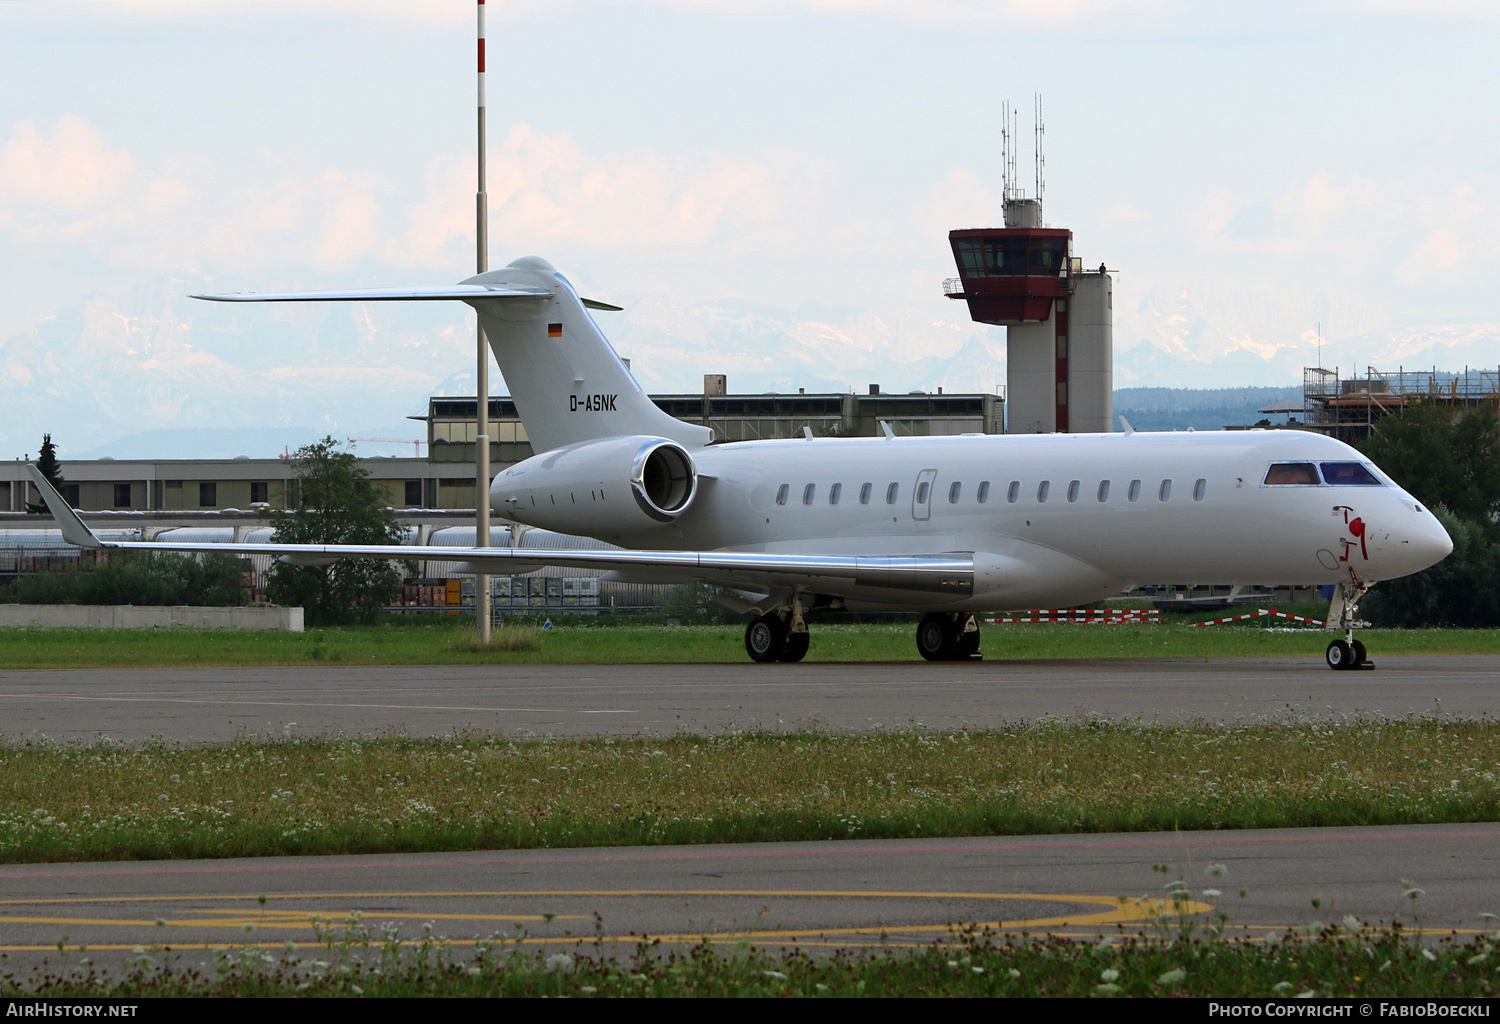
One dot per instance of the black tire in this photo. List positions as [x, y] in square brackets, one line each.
[796, 647]
[765, 638]
[1360, 655]
[1340, 655]
[936, 638]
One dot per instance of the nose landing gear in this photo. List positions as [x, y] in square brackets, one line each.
[1347, 653]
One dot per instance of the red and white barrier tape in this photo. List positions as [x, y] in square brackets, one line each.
[1258, 614]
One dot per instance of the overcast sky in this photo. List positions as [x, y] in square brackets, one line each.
[1274, 166]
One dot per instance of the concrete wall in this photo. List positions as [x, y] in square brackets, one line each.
[1091, 362]
[141, 616]
[1031, 377]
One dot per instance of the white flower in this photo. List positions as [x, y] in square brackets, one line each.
[774, 974]
[1282, 986]
[1216, 871]
[560, 962]
[1352, 923]
[1110, 975]
[1015, 974]
[1107, 989]
[1430, 955]
[1173, 977]
[1212, 893]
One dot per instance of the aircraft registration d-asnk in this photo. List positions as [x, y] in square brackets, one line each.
[947, 526]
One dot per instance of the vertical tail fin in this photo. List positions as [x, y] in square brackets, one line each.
[567, 381]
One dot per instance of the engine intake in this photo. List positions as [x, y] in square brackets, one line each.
[663, 480]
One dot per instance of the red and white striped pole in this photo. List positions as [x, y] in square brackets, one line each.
[482, 379]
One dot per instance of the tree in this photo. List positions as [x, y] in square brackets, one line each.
[49, 467]
[1458, 591]
[1442, 459]
[336, 504]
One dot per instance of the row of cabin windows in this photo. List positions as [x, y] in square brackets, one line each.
[1012, 493]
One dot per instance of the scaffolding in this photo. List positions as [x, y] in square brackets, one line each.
[1350, 408]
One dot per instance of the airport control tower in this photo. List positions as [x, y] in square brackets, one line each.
[1059, 337]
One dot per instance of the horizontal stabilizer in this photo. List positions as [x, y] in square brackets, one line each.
[465, 292]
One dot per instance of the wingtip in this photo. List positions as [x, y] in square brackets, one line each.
[74, 530]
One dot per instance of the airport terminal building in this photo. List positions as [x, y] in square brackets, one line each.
[444, 478]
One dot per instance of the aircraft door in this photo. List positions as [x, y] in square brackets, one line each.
[921, 498]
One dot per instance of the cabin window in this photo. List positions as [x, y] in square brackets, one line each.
[1073, 490]
[1013, 492]
[781, 494]
[1042, 489]
[1103, 490]
[922, 489]
[1293, 474]
[953, 492]
[1165, 493]
[1343, 474]
[1200, 489]
[1134, 493]
[984, 491]
[808, 492]
[891, 492]
[864, 493]
[835, 493]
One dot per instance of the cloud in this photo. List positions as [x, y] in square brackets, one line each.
[546, 192]
[70, 169]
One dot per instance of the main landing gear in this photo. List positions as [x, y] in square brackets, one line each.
[1347, 653]
[942, 636]
[777, 636]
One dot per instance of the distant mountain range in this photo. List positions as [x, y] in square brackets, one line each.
[154, 374]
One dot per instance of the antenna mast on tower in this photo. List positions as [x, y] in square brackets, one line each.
[1041, 161]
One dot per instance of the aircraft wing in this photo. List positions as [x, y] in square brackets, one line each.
[949, 573]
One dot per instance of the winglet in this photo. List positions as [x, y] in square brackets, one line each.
[596, 304]
[1125, 425]
[73, 529]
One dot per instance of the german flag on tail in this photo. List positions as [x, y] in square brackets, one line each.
[554, 330]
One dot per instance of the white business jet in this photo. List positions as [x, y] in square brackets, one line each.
[948, 526]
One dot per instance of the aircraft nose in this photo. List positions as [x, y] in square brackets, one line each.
[1427, 543]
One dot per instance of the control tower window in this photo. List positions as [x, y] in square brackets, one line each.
[970, 257]
[1347, 473]
[1047, 255]
[1285, 474]
[1005, 256]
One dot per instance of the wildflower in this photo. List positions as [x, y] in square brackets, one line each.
[1173, 977]
[1216, 871]
[1430, 955]
[1352, 923]
[1015, 974]
[1481, 958]
[1107, 989]
[560, 962]
[1109, 975]
[1212, 893]
[774, 974]
[1282, 986]
[588, 990]
[977, 970]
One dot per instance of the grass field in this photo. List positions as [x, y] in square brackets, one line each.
[577, 641]
[356, 960]
[111, 802]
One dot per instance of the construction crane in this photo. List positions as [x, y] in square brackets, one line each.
[395, 440]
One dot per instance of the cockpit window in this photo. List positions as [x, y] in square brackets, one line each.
[1348, 473]
[1285, 473]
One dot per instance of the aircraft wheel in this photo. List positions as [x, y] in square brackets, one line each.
[935, 637]
[765, 638]
[1340, 654]
[796, 647]
[1360, 656]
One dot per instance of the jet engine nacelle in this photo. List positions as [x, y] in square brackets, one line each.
[614, 486]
